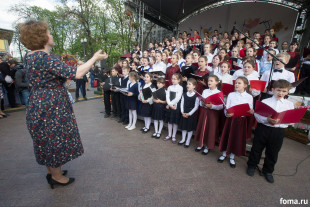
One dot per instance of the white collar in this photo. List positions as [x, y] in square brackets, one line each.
[275, 99]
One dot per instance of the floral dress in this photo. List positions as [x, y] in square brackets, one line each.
[49, 115]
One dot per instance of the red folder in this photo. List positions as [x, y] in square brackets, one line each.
[239, 110]
[285, 117]
[227, 88]
[215, 99]
[258, 85]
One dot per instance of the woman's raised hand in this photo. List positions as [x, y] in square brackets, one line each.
[99, 56]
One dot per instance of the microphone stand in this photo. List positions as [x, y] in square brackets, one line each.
[261, 47]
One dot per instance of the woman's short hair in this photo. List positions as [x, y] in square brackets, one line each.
[33, 34]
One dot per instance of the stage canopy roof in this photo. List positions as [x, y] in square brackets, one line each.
[169, 13]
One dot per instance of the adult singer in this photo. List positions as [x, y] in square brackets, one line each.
[49, 115]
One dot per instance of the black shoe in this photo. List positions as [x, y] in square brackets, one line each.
[54, 182]
[154, 135]
[142, 129]
[49, 176]
[157, 136]
[107, 115]
[186, 146]
[232, 165]
[205, 153]
[181, 143]
[268, 177]
[113, 116]
[145, 131]
[198, 150]
[221, 160]
[250, 171]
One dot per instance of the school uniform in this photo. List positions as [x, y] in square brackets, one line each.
[234, 135]
[278, 74]
[145, 109]
[268, 136]
[186, 69]
[158, 109]
[159, 67]
[173, 116]
[207, 131]
[209, 58]
[132, 100]
[169, 73]
[189, 104]
[225, 78]
[201, 87]
[265, 66]
[115, 97]
[123, 99]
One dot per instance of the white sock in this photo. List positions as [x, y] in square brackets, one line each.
[169, 130]
[156, 126]
[232, 159]
[145, 122]
[175, 129]
[206, 150]
[183, 136]
[148, 122]
[161, 125]
[189, 137]
[134, 117]
[130, 118]
[224, 154]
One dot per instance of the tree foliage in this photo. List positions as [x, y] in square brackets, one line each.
[101, 22]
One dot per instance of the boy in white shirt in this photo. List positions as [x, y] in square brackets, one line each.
[268, 133]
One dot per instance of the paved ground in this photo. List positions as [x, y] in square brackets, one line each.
[122, 168]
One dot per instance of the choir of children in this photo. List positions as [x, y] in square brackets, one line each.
[186, 106]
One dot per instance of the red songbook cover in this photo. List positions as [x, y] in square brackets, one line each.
[239, 110]
[215, 99]
[285, 117]
[258, 85]
[227, 88]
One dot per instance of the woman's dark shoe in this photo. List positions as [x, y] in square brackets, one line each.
[154, 135]
[221, 159]
[186, 146]
[54, 182]
[157, 136]
[232, 163]
[145, 131]
[197, 149]
[181, 143]
[49, 176]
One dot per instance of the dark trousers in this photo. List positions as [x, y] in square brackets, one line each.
[270, 138]
[124, 108]
[116, 106]
[80, 84]
[11, 95]
[107, 101]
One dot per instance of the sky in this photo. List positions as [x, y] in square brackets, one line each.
[7, 18]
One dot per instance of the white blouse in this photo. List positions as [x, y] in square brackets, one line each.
[179, 91]
[236, 98]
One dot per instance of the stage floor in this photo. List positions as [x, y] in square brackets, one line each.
[127, 168]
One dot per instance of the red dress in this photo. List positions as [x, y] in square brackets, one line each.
[169, 73]
[201, 87]
[207, 131]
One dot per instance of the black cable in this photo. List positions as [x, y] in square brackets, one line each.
[296, 168]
